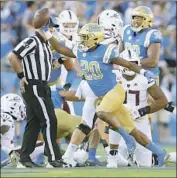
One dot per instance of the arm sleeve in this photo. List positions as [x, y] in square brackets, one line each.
[25, 47]
[156, 37]
[111, 52]
[153, 36]
[150, 83]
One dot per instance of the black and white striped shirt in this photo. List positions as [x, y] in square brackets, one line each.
[36, 57]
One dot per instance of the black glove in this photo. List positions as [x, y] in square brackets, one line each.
[144, 111]
[169, 107]
[53, 22]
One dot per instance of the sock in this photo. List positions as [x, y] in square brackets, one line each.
[155, 149]
[124, 134]
[114, 137]
[92, 153]
[70, 151]
[104, 143]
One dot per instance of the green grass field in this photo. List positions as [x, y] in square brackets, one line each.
[90, 172]
[168, 171]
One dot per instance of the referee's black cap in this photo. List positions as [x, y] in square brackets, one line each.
[53, 21]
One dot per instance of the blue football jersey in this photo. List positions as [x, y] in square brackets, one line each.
[97, 69]
[140, 42]
[55, 96]
[55, 73]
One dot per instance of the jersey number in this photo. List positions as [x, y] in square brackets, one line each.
[137, 96]
[91, 70]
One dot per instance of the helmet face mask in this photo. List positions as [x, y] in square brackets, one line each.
[111, 21]
[137, 21]
[68, 22]
[90, 36]
[130, 56]
[13, 104]
[142, 18]
[129, 72]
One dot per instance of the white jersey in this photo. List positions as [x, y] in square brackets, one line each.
[136, 91]
[7, 138]
[70, 44]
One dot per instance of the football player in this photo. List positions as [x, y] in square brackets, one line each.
[67, 33]
[137, 89]
[12, 110]
[96, 64]
[112, 23]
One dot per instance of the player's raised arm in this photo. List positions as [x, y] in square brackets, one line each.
[58, 47]
[132, 66]
[42, 20]
[124, 63]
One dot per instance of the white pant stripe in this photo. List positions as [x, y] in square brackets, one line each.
[47, 121]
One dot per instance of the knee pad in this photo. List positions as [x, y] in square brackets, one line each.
[84, 128]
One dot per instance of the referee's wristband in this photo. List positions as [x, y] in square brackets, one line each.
[20, 75]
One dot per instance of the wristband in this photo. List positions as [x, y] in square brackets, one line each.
[60, 60]
[147, 109]
[20, 75]
[48, 35]
[142, 71]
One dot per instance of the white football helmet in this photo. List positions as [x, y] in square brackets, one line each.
[111, 21]
[13, 104]
[131, 56]
[68, 22]
[80, 156]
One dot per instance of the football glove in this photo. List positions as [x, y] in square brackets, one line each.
[14, 158]
[170, 107]
[141, 112]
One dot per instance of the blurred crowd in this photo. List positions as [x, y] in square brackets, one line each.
[16, 24]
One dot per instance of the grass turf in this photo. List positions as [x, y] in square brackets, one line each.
[90, 172]
[169, 171]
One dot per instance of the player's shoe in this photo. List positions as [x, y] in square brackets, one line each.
[28, 164]
[162, 159]
[93, 162]
[132, 161]
[112, 161]
[69, 161]
[58, 163]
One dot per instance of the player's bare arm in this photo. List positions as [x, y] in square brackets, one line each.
[153, 54]
[124, 63]
[4, 129]
[160, 100]
[61, 49]
[70, 96]
[69, 65]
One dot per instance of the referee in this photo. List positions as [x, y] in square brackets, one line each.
[31, 59]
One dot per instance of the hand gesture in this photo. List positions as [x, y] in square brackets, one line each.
[23, 82]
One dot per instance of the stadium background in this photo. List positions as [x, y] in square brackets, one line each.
[16, 24]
